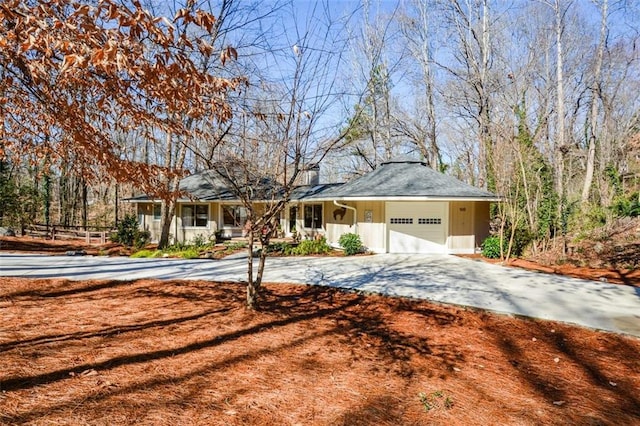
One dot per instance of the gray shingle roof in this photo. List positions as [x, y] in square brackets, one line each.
[306, 191]
[394, 179]
[207, 186]
[405, 178]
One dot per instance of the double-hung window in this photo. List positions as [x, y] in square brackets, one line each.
[157, 209]
[195, 215]
[313, 216]
[234, 216]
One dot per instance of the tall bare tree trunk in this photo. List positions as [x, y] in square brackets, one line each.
[433, 154]
[595, 99]
[85, 203]
[484, 113]
[560, 146]
[475, 57]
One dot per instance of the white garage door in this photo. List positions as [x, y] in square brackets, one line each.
[417, 227]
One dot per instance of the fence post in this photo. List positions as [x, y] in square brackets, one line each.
[87, 236]
[53, 233]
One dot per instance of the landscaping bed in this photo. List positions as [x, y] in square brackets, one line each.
[187, 353]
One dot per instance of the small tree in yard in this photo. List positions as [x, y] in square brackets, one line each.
[280, 130]
[129, 233]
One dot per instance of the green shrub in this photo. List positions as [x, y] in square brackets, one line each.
[491, 247]
[190, 253]
[178, 246]
[201, 241]
[129, 234]
[307, 247]
[235, 245]
[280, 247]
[351, 244]
[142, 239]
[627, 206]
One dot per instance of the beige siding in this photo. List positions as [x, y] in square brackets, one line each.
[177, 231]
[375, 207]
[373, 234]
[147, 222]
[338, 222]
[482, 219]
[469, 225]
[461, 227]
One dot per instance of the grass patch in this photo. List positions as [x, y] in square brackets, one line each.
[146, 254]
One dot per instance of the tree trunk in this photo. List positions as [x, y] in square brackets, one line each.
[47, 199]
[560, 144]
[168, 209]
[595, 96]
[484, 113]
[253, 285]
[85, 206]
[115, 213]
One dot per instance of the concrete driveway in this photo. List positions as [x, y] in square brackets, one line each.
[447, 279]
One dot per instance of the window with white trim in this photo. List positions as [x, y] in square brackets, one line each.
[157, 211]
[195, 215]
[234, 216]
[313, 216]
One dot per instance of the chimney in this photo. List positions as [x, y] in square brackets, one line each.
[312, 175]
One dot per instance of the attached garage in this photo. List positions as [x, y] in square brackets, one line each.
[417, 227]
[404, 206]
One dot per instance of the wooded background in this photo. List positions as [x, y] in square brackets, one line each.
[536, 101]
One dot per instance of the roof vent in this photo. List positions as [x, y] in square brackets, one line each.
[404, 159]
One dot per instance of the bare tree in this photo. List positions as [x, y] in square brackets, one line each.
[595, 90]
[283, 125]
[376, 53]
[471, 28]
[420, 126]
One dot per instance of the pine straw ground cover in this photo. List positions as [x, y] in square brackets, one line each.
[187, 353]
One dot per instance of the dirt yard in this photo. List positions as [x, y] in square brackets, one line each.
[189, 353]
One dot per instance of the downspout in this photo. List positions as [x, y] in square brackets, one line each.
[355, 214]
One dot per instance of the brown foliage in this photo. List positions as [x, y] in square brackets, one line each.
[72, 75]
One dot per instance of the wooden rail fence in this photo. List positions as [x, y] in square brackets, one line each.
[56, 232]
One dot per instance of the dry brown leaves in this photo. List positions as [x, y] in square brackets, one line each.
[77, 74]
[151, 352]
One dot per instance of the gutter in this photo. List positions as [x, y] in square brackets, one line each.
[355, 214]
[407, 198]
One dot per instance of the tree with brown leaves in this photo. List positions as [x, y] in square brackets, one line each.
[73, 75]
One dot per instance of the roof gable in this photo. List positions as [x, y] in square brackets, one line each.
[405, 178]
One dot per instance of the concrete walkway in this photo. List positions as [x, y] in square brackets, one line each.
[447, 279]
